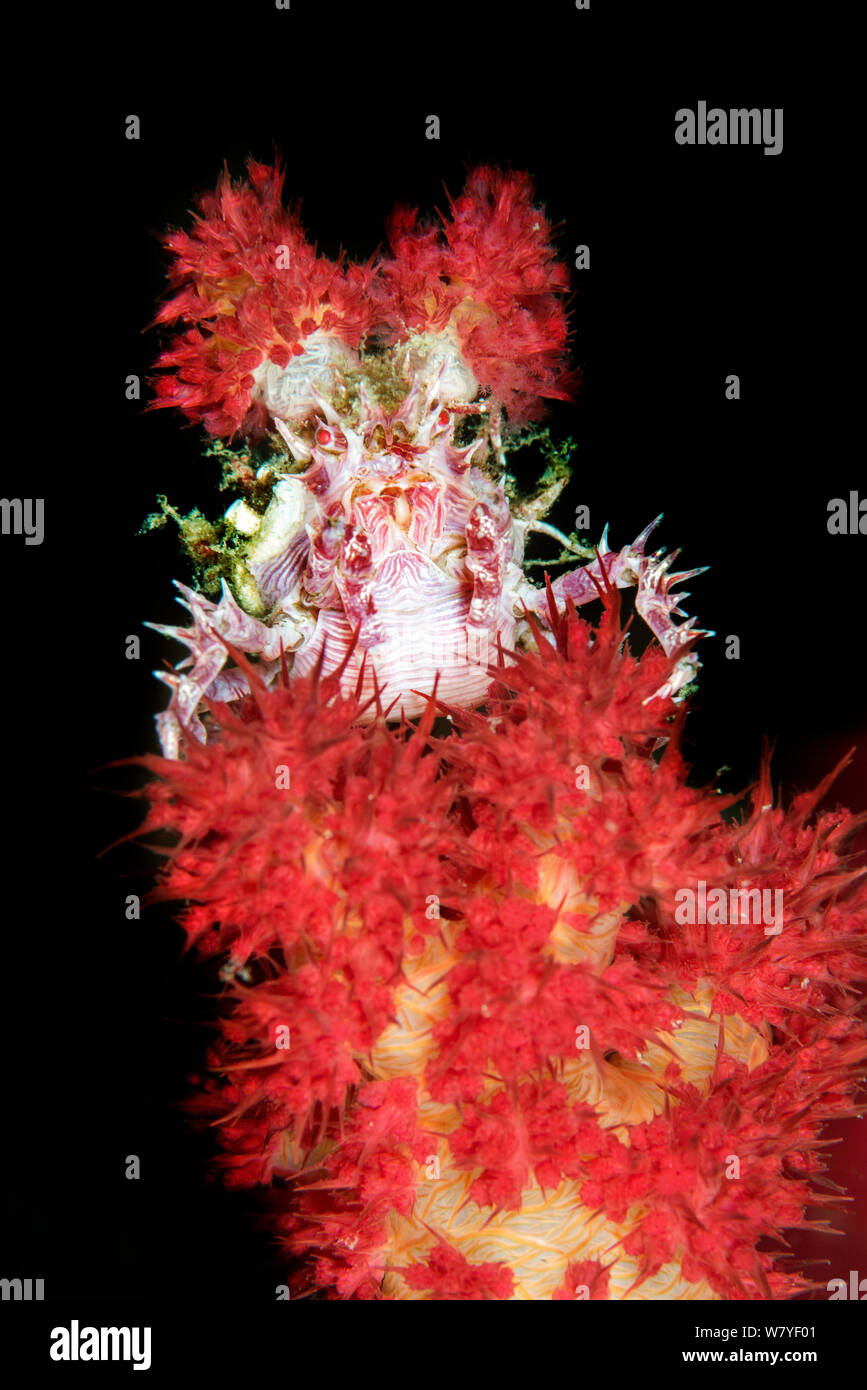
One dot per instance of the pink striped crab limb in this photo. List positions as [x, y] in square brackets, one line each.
[214, 625]
[654, 601]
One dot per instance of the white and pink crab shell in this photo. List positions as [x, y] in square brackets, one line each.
[395, 547]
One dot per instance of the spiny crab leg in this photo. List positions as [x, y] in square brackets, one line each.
[213, 626]
[488, 546]
[354, 579]
[654, 601]
[497, 441]
[542, 526]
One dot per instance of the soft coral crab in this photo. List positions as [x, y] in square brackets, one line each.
[538, 1091]
[395, 554]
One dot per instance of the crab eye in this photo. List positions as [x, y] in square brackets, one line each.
[330, 439]
[443, 418]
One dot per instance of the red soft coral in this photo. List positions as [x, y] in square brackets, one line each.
[318, 891]
[448, 1275]
[253, 289]
[493, 278]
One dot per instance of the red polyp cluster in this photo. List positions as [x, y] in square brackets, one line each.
[492, 277]
[720, 1172]
[290, 826]
[684, 1150]
[254, 291]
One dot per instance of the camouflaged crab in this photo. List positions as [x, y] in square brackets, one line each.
[395, 554]
[468, 1040]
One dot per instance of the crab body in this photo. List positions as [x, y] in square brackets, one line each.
[395, 558]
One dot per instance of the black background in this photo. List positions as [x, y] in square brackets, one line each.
[704, 262]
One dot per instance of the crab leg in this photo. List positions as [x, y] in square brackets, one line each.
[654, 601]
[200, 672]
